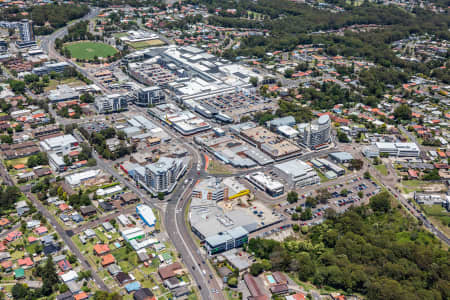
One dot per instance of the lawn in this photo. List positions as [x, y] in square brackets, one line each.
[17, 161]
[120, 34]
[216, 167]
[439, 215]
[146, 44]
[88, 50]
[322, 177]
[382, 169]
[73, 82]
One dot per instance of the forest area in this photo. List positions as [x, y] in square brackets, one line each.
[375, 250]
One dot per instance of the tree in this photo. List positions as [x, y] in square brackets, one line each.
[367, 175]
[344, 192]
[232, 281]
[161, 196]
[360, 194]
[292, 197]
[381, 202]
[254, 81]
[6, 139]
[403, 112]
[310, 201]
[342, 137]
[17, 86]
[356, 164]
[306, 214]
[288, 73]
[19, 291]
[295, 217]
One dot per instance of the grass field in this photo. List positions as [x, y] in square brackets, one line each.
[382, 169]
[216, 167]
[146, 44]
[88, 50]
[439, 216]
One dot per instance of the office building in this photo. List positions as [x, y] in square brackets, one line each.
[162, 176]
[265, 183]
[61, 145]
[57, 147]
[341, 157]
[25, 27]
[399, 149]
[211, 189]
[227, 240]
[150, 96]
[297, 172]
[51, 67]
[317, 133]
[26, 30]
[62, 93]
[111, 103]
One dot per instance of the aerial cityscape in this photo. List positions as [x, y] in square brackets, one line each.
[224, 149]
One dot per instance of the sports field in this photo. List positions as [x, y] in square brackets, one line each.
[88, 50]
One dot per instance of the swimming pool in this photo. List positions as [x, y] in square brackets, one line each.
[271, 279]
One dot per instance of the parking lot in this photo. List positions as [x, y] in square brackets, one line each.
[343, 196]
[239, 104]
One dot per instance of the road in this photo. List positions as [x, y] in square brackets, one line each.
[390, 182]
[48, 45]
[67, 240]
[62, 233]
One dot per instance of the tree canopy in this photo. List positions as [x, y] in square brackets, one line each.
[380, 255]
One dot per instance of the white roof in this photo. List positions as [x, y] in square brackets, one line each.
[77, 178]
[60, 140]
[69, 276]
[146, 214]
[287, 130]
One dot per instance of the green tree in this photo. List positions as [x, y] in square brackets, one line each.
[403, 112]
[306, 214]
[292, 197]
[254, 81]
[381, 202]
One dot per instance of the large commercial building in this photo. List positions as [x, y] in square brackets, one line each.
[317, 133]
[51, 67]
[62, 93]
[111, 103]
[183, 121]
[271, 143]
[150, 96]
[61, 145]
[265, 183]
[57, 147]
[211, 189]
[162, 176]
[227, 240]
[399, 149]
[298, 172]
[146, 214]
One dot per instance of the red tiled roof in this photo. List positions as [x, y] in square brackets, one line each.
[25, 262]
[101, 249]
